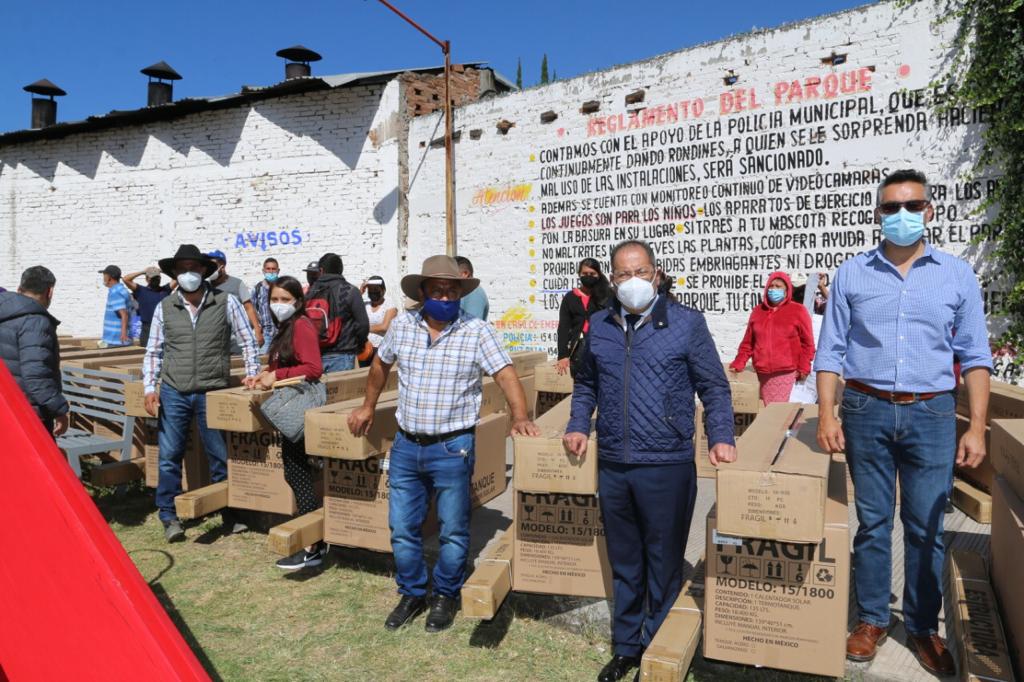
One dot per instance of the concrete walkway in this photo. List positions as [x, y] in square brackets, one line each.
[894, 660]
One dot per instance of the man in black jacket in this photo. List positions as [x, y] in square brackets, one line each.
[346, 303]
[29, 346]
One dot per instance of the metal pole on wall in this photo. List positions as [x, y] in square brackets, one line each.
[449, 158]
[449, 155]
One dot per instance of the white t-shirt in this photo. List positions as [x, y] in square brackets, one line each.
[376, 317]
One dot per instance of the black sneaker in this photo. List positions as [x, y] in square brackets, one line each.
[302, 559]
[442, 613]
[173, 532]
[407, 609]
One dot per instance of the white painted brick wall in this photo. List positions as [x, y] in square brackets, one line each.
[508, 253]
[222, 179]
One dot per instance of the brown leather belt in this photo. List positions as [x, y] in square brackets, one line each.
[897, 397]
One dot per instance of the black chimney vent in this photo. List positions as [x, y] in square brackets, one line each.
[159, 91]
[44, 111]
[298, 58]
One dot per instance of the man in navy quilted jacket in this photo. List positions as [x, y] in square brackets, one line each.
[644, 359]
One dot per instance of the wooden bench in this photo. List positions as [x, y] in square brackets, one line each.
[99, 395]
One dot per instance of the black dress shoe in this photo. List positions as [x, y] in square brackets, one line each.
[617, 668]
[442, 613]
[407, 609]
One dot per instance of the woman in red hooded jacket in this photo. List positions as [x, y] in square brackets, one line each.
[779, 338]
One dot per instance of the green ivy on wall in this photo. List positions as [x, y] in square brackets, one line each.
[987, 70]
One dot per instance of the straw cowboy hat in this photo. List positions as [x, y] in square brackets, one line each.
[187, 252]
[436, 267]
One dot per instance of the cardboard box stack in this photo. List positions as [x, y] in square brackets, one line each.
[356, 490]
[972, 618]
[558, 535]
[1007, 543]
[551, 387]
[778, 562]
[746, 403]
[1005, 402]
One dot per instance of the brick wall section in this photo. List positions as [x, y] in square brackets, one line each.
[424, 94]
[528, 208]
[291, 177]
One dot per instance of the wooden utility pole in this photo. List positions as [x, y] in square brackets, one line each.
[449, 151]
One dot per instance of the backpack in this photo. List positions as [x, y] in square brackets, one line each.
[324, 309]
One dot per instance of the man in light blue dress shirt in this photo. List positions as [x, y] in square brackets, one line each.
[889, 330]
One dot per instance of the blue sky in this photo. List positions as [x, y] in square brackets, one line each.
[94, 50]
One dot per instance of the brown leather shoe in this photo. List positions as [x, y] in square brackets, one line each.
[863, 642]
[932, 653]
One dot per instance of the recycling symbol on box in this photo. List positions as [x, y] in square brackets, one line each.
[824, 575]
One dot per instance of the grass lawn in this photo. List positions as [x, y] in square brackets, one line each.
[247, 621]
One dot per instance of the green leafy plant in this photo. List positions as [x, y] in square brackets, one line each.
[987, 69]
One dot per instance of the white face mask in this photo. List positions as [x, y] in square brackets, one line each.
[189, 281]
[282, 311]
[214, 276]
[635, 293]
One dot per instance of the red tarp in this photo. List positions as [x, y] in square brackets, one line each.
[72, 604]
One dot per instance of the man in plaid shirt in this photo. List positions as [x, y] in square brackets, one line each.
[441, 355]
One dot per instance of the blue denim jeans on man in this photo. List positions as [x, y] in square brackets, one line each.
[918, 442]
[415, 473]
[338, 362]
[177, 410]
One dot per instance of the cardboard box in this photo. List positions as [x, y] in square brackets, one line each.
[777, 487]
[525, 361]
[530, 391]
[741, 420]
[328, 435]
[256, 473]
[972, 501]
[356, 491]
[668, 657]
[1007, 452]
[486, 589]
[746, 391]
[548, 379]
[972, 618]
[195, 468]
[542, 464]
[781, 604]
[135, 393]
[1007, 556]
[983, 475]
[559, 545]
[236, 409]
[1006, 401]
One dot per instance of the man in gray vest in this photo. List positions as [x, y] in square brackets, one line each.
[189, 353]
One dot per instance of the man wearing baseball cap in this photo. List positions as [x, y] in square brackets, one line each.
[312, 274]
[147, 297]
[441, 354]
[220, 279]
[118, 309]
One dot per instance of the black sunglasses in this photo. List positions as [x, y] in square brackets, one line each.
[893, 207]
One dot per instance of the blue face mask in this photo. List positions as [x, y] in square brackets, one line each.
[442, 311]
[903, 228]
[776, 295]
[270, 276]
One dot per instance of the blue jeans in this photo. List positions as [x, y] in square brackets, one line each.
[338, 362]
[917, 441]
[415, 472]
[177, 410]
